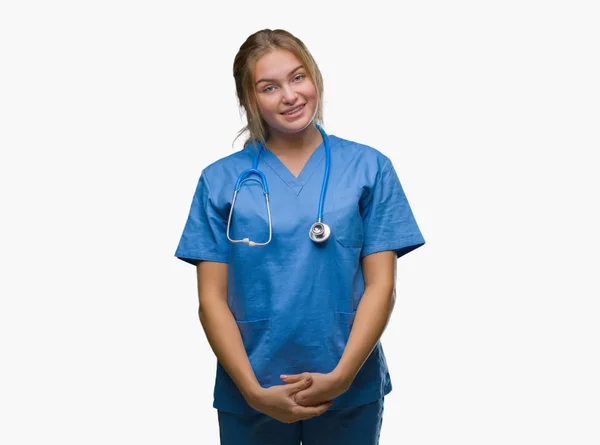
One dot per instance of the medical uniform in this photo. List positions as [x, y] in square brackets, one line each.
[294, 300]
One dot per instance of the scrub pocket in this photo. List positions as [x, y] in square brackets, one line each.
[348, 224]
[256, 336]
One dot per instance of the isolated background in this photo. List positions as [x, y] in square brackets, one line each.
[489, 110]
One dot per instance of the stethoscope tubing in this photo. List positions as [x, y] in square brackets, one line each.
[246, 176]
[325, 175]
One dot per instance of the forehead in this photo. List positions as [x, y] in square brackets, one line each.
[275, 64]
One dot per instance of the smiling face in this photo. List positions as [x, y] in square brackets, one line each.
[285, 95]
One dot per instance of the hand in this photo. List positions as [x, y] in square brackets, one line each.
[325, 387]
[278, 401]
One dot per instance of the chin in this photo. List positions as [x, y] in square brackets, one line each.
[294, 127]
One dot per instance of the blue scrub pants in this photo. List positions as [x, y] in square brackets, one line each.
[360, 425]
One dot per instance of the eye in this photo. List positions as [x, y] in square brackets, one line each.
[299, 77]
[269, 89]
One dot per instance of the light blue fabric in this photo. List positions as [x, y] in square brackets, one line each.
[359, 425]
[295, 300]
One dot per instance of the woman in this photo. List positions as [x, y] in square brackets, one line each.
[295, 296]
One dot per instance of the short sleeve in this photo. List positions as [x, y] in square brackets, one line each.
[204, 236]
[388, 221]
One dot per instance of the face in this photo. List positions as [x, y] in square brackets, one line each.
[282, 84]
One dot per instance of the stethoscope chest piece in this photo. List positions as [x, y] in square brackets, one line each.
[319, 232]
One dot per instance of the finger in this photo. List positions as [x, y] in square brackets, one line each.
[311, 411]
[304, 398]
[309, 397]
[302, 384]
[293, 378]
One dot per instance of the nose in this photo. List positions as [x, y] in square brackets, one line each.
[289, 94]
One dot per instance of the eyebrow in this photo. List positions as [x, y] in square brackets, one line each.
[289, 74]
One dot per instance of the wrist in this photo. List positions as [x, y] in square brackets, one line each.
[252, 394]
[342, 378]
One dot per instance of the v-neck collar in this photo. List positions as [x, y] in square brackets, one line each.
[296, 184]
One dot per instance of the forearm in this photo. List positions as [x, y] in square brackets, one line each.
[226, 342]
[372, 316]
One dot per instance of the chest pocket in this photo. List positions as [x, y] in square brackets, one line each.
[347, 224]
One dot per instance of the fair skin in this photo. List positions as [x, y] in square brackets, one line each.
[281, 85]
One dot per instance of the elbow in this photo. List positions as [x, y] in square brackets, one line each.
[201, 313]
[392, 299]
[383, 299]
[384, 294]
[208, 307]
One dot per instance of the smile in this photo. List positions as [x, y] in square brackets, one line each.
[294, 111]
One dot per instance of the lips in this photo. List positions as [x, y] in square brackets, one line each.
[295, 109]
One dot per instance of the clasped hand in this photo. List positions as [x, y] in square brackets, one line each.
[303, 396]
[324, 387]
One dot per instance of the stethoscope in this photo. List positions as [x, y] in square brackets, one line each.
[319, 231]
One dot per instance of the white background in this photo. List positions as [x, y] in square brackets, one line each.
[490, 112]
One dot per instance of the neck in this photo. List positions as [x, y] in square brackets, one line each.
[307, 139]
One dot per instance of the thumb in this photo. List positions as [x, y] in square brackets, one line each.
[293, 378]
[301, 384]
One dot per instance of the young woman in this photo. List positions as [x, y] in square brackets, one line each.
[295, 238]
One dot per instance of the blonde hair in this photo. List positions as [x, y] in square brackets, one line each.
[255, 46]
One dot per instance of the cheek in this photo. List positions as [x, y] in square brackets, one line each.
[269, 115]
[310, 91]
[267, 106]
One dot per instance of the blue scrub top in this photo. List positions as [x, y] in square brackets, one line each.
[294, 300]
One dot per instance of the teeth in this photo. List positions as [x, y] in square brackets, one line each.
[294, 110]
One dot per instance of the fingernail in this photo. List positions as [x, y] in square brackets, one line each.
[283, 376]
[307, 379]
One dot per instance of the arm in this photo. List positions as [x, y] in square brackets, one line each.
[372, 316]
[226, 342]
[221, 328]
